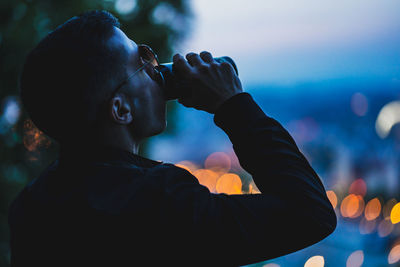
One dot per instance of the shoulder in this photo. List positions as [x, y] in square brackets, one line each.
[169, 174]
[123, 188]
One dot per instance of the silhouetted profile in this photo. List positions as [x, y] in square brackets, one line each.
[95, 91]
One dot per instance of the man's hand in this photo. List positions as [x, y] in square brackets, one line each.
[205, 84]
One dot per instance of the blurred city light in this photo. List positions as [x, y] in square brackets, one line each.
[395, 214]
[332, 198]
[372, 209]
[11, 110]
[359, 104]
[207, 178]
[164, 14]
[385, 228]
[367, 227]
[229, 183]
[355, 259]
[187, 165]
[315, 261]
[358, 187]
[9, 114]
[253, 188]
[387, 209]
[394, 254]
[218, 162]
[125, 7]
[387, 118]
[352, 206]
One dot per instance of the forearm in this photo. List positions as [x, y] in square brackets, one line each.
[264, 148]
[268, 152]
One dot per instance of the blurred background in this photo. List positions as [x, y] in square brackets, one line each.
[329, 71]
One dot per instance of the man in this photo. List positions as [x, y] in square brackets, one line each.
[96, 92]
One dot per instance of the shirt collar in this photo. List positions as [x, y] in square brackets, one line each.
[104, 155]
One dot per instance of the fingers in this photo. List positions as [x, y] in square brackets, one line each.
[180, 64]
[206, 57]
[194, 59]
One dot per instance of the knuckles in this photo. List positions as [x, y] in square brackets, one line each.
[226, 65]
[214, 65]
[203, 68]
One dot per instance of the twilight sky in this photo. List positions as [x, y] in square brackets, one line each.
[285, 42]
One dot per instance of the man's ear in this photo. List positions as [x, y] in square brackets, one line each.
[121, 111]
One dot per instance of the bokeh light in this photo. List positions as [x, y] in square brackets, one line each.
[358, 187]
[125, 7]
[11, 111]
[387, 118]
[207, 178]
[394, 254]
[355, 259]
[315, 261]
[229, 183]
[385, 227]
[187, 165]
[359, 104]
[372, 209]
[218, 162]
[332, 198]
[367, 227]
[387, 208]
[271, 265]
[395, 214]
[253, 188]
[352, 206]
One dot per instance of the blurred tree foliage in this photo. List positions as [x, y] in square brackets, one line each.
[25, 151]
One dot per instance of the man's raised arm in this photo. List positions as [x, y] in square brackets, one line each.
[292, 211]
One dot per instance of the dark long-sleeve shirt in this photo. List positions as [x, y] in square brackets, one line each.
[111, 207]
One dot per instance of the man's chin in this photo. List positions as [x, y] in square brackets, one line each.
[163, 127]
[159, 129]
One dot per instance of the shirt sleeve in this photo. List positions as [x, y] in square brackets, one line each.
[292, 211]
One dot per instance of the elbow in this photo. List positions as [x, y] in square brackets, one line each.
[323, 223]
[332, 221]
[328, 223]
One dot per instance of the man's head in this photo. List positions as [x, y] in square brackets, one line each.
[69, 79]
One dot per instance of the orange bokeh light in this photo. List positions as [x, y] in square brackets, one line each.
[352, 206]
[372, 209]
[229, 183]
[358, 187]
[187, 165]
[253, 189]
[207, 178]
[332, 198]
[218, 162]
[395, 214]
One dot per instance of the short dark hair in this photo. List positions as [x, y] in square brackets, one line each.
[68, 74]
